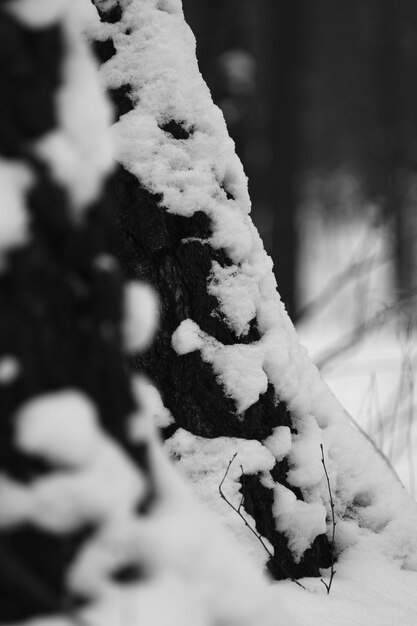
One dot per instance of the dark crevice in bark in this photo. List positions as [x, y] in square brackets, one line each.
[110, 15]
[168, 431]
[128, 574]
[258, 502]
[176, 129]
[121, 99]
[229, 195]
[104, 50]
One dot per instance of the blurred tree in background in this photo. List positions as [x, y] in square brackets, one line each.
[318, 89]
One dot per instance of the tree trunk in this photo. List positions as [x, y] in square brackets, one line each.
[226, 358]
[398, 158]
[175, 253]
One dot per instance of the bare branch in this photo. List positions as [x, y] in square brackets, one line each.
[356, 335]
[332, 570]
[253, 531]
[337, 283]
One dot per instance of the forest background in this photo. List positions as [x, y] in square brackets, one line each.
[321, 101]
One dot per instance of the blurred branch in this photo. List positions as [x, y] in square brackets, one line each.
[375, 447]
[332, 570]
[352, 338]
[338, 282]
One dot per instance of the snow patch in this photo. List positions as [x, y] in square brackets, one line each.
[61, 427]
[38, 13]
[140, 317]
[15, 180]
[151, 409]
[9, 369]
[300, 521]
[79, 151]
[238, 367]
[67, 498]
[279, 443]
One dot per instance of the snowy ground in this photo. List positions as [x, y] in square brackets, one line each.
[365, 592]
[375, 381]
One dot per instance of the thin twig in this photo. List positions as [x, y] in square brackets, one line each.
[253, 531]
[337, 283]
[410, 454]
[332, 570]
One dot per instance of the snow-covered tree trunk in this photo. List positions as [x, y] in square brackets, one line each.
[226, 358]
[184, 227]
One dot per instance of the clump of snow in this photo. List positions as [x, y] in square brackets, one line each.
[300, 521]
[279, 443]
[141, 316]
[230, 286]
[151, 409]
[9, 369]
[15, 180]
[38, 13]
[238, 367]
[60, 426]
[187, 338]
[78, 151]
[306, 469]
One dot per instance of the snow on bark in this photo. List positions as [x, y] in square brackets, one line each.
[172, 140]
